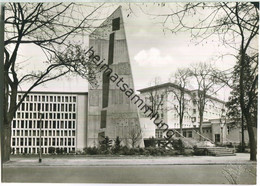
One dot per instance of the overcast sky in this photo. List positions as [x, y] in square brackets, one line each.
[153, 53]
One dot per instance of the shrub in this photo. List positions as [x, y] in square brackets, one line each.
[91, 150]
[116, 148]
[51, 150]
[150, 142]
[199, 151]
[59, 151]
[124, 150]
[106, 144]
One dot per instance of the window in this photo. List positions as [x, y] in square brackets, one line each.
[74, 98]
[30, 124]
[21, 141]
[14, 124]
[103, 119]
[69, 141]
[13, 141]
[116, 24]
[189, 134]
[158, 133]
[217, 138]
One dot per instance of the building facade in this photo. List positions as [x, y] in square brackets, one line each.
[164, 98]
[218, 132]
[57, 119]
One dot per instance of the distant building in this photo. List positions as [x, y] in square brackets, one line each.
[167, 103]
[212, 130]
[64, 122]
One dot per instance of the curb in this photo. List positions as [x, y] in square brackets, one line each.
[114, 165]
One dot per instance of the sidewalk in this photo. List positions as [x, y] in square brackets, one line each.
[131, 161]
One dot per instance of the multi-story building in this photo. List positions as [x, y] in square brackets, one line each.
[57, 119]
[164, 98]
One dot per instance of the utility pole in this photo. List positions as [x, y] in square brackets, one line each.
[40, 145]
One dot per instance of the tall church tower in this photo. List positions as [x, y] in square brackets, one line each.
[111, 113]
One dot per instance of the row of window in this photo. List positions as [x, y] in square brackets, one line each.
[43, 133]
[41, 98]
[26, 115]
[44, 142]
[34, 150]
[44, 124]
[59, 107]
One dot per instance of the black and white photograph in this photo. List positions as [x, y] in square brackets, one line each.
[129, 92]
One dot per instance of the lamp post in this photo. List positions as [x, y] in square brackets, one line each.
[40, 145]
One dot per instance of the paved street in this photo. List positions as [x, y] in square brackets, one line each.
[185, 174]
[185, 170]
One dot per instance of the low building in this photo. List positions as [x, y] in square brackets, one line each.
[57, 119]
[214, 131]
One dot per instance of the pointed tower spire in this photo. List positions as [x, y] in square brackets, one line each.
[111, 112]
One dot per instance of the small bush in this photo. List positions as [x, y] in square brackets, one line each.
[51, 150]
[92, 150]
[116, 148]
[199, 151]
[150, 142]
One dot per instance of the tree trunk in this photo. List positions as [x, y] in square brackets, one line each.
[6, 143]
[200, 127]
[181, 127]
[243, 135]
[252, 142]
[251, 127]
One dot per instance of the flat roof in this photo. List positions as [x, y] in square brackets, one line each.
[169, 84]
[54, 92]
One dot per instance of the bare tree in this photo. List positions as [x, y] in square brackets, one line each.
[181, 80]
[49, 26]
[135, 135]
[156, 96]
[236, 24]
[205, 79]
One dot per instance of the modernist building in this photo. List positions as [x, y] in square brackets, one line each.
[218, 132]
[111, 113]
[164, 96]
[60, 116]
